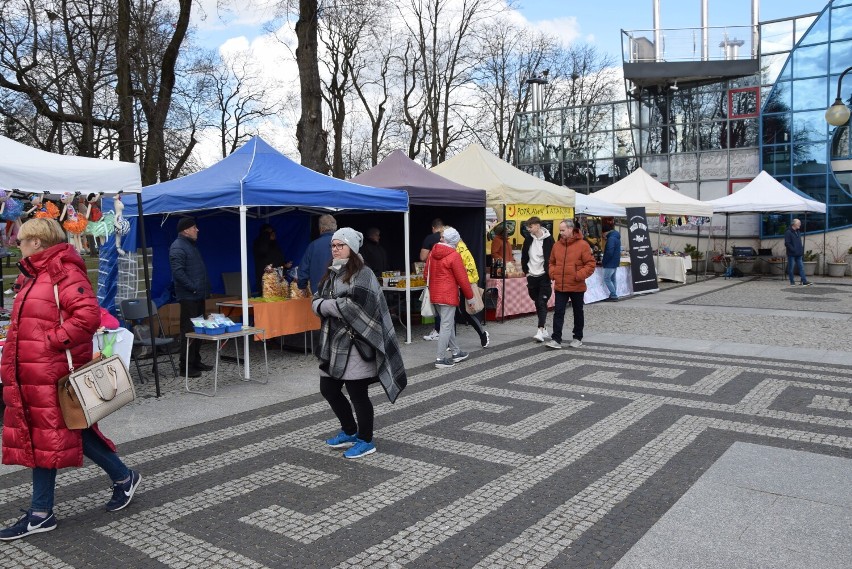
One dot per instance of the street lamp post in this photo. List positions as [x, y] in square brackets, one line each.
[838, 113]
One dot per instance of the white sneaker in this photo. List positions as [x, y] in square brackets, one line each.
[541, 335]
[575, 343]
[433, 335]
[554, 345]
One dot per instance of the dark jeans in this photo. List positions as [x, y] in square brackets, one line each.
[797, 261]
[332, 390]
[44, 479]
[539, 290]
[562, 299]
[189, 309]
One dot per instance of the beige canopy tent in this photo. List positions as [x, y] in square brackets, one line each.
[640, 189]
[503, 183]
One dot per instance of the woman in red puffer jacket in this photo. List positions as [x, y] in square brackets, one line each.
[446, 274]
[34, 358]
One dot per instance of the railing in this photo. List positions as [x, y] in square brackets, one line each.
[688, 44]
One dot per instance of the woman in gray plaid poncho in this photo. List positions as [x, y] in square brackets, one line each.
[358, 344]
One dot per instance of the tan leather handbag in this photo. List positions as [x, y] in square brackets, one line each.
[89, 394]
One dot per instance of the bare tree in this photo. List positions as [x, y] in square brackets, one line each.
[59, 59]
[312, 138]
[509, 56]
[441, 30]
[241, 100]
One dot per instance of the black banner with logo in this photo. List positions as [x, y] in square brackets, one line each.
[642, 267]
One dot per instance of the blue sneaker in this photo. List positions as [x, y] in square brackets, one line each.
[122, 493]
[29, 524]
[341, 440]
[361, 448]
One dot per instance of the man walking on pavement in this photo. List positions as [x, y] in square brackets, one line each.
[795, 251]
[571, 263]
[191, 288]
[534, 256]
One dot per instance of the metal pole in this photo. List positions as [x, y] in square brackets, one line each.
[405, 222]
[141, 223]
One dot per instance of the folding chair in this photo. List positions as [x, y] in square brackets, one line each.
[134, 312]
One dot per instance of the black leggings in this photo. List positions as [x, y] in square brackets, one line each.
[332, 390]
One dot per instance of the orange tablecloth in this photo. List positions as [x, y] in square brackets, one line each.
[280, 318]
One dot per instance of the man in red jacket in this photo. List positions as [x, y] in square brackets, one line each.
[571, 263]
[446, 274]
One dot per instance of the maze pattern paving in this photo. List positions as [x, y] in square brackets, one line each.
[517, 458]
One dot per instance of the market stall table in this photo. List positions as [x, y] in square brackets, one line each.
[672, 268]
[222, 340]
[399, 293]
[596, 289]
[278, 318]
[518, 300]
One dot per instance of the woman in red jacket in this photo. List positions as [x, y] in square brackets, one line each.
[446, 275]
[571, 263]
[34, 358]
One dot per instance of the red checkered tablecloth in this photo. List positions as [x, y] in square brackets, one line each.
[518, 300]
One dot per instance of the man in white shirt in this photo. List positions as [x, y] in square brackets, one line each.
[535, 255]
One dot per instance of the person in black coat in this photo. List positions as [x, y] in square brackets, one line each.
[192, 286]
[267, 252]
[373, 253]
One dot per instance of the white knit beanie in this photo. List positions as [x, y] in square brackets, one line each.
[451, 236]
[352, 238]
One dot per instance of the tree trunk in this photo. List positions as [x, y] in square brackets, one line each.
[312, 140]
[154, 149]
[124, 86]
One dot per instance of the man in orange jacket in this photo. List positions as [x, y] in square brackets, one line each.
[571, 263]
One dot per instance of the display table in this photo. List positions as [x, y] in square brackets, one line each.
[280, 318]
[518, 300]
[222, 340]
[399, 293]
[596, 289]
[672, 268]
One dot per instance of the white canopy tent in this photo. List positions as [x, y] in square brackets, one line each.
[640, 189]
[765, 194]
[31, 170]
[588, 205]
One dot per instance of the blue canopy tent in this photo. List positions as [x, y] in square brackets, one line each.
[258, 176]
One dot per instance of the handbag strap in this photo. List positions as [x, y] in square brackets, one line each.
[61, 321]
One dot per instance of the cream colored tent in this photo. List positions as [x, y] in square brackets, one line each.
[503, 183]
[640, 189]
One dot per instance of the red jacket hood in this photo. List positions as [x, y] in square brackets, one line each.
[52, 260]
[441, 250]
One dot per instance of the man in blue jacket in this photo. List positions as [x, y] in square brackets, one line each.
[795, 251]
[611, 257]
[191, 288]
[317, 257]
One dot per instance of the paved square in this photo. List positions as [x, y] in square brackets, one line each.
[519, 457]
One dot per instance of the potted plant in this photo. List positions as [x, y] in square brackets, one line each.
[718, 261]
[810, 260]
[698, 262]
[776, 265]
[836, 265]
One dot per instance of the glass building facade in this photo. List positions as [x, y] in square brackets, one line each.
[707, 140]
